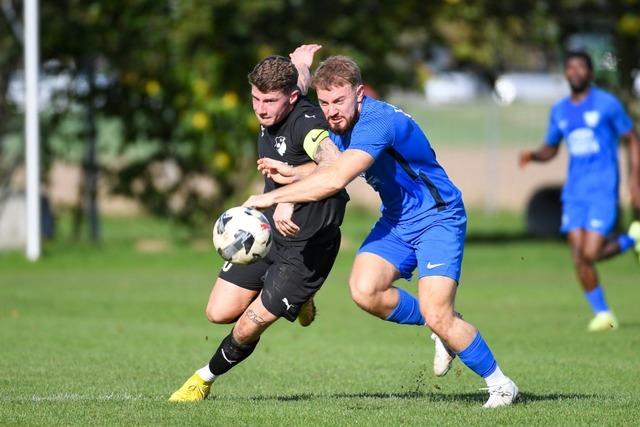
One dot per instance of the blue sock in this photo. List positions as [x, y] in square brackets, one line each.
[625, 242]
[478, 357]
[407, 312]
[596, 300]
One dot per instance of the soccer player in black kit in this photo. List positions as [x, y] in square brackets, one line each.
[292, 130]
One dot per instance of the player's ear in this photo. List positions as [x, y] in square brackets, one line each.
[293, 97]
[359, 93]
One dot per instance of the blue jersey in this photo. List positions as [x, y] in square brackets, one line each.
[411, 183]
[591, 130]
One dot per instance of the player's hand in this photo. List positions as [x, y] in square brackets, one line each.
[524, 158]
[303, 55]
[278, 171]
[259, 201]
[282, 219]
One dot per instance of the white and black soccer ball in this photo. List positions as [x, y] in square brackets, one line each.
[242, 235]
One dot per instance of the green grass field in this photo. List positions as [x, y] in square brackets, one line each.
[103, 335]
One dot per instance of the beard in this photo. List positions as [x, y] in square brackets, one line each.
[338, 128]
[579, 86]
[342, 127]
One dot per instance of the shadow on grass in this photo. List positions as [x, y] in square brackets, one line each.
[476, 397]
[630, 325]
[508, 237]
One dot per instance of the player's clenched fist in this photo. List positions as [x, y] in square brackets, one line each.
[303, 55]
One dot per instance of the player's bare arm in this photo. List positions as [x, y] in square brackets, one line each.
[324, 182]
[325, 155]
[302, 58]
[542, 154]
[633, 143]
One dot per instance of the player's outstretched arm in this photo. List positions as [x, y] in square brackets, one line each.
[302, 58]
[335, 170]
[633, 142]
[542, 154]
[283, 173]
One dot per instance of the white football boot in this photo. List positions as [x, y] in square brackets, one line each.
[603, 321]
[442, 358]
[501, 395]
[443, 355]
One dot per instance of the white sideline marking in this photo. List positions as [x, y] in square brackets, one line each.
[74, 397]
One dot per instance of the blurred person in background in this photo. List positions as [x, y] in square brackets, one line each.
[591, 121]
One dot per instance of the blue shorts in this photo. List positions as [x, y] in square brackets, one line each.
[598, 216]
[435, 245]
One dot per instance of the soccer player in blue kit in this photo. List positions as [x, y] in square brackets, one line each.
[591, 121]
[423, 222]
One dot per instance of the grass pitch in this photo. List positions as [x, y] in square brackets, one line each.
[103, 335]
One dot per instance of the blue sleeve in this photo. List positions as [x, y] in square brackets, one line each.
[373, 135]
[554, 134]
[620, 120]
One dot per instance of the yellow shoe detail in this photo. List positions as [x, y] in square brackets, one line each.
[193, 390]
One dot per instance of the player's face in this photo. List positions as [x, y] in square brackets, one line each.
[341, 106]
[272, 107]
[578, 74]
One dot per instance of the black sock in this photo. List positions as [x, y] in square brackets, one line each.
[229, 354]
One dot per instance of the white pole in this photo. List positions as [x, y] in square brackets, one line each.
[32, 125]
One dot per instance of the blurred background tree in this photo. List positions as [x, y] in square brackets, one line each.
[157, 100]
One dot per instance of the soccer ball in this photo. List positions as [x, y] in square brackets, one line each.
[242, 235]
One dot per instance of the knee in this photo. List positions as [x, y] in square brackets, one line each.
[220, 317]
[361, 293]
[589, 256]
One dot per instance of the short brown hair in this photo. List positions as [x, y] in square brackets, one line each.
[337, 71]
[274, 73]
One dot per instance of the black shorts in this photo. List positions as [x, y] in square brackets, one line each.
[290, 274]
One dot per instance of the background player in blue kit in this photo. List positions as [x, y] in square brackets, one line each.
[591, 121]
[423, 222]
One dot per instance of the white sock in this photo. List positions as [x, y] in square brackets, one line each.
[205, 374]
[496, 378]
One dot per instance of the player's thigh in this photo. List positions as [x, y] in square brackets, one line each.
[382, 258]
[254, 320]
[576, 240]
[236, 287]
[298, 271]
[593, 243]
[371, 273]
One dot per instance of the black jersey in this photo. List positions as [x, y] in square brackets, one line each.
[285, 141]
